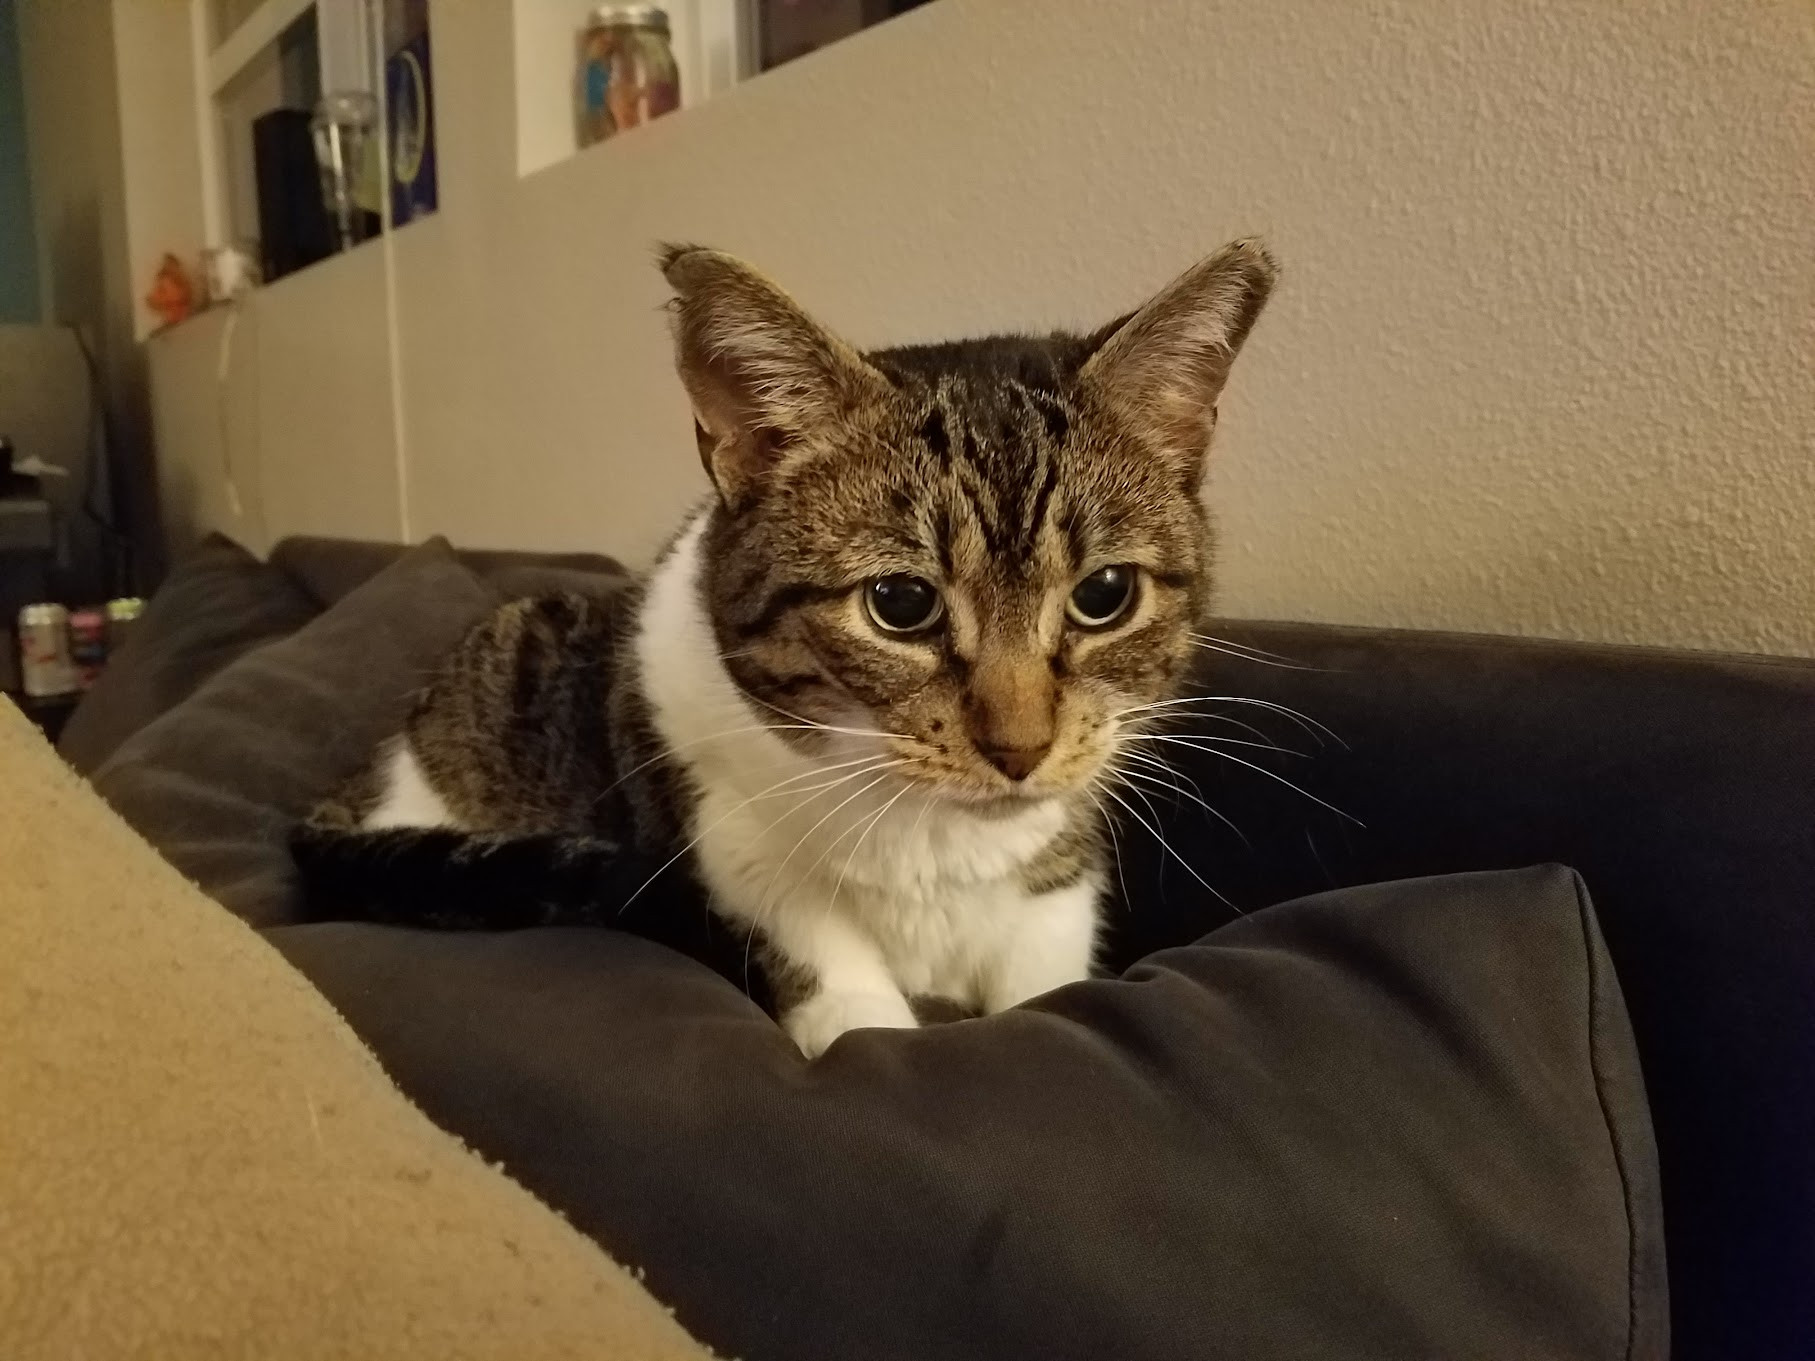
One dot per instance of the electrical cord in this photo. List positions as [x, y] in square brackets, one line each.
[101, 444]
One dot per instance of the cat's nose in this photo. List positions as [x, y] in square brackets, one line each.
[1016, 762]
[1012, 708]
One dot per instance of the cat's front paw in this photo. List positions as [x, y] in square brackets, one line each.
[823, 1017]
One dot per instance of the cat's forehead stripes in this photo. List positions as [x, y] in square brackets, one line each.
[999, 444]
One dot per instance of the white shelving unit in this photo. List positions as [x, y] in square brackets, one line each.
[245, 69]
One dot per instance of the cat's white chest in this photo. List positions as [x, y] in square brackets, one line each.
[936, 889]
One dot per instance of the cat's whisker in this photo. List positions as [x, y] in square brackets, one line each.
[1144, 797]
[762, 905]
[1248, 654]
[706, 831]
[1214, 812]
[663, 749]
[1167, 847]
[1244, 657]
[1115, 844]
[1148, 759]
[869, 827]
[831, 904]
[874, 761]
[1166, 703]
[717, 822]
[1195, 739]
[1171, 706]
[804, 790]
[1305, 721]
[1174, 789]
[1165, 788]
[1194, 715]
[853, 732]
[1245, 647]
[1271, 775]
[763, 902]
[926, 806]
[832, 845]
[814, 724]
[883, 765]
[782, 786]
[848, 732]
[1196, 797]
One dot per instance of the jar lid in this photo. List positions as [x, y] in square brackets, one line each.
[631, 16]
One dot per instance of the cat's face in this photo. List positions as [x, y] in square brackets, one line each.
[988, 554]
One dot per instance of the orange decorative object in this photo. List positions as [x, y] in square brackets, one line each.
[172, 294]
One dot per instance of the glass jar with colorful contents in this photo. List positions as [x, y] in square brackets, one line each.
[627, 71]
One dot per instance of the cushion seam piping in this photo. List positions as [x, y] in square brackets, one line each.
[1600, 1095]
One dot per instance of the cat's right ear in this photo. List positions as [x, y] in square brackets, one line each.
[761, 373]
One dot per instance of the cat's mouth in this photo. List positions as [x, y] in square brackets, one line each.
[982, 799]
[988, 804]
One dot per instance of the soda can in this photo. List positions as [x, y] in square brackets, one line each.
[122, 614]
[45, 668]
[88, 644]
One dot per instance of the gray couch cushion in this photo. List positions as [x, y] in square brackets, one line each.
[1680, 784]
[218, 604]
[1400, 1121]
[328, 569]
[217, 782]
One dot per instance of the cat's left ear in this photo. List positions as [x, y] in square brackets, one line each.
[1163, 368]
[762, 374]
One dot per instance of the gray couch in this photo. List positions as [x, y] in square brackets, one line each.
[1397, 1120]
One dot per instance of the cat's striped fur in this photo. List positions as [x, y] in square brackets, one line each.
[883, 812]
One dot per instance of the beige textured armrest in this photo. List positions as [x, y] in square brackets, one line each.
[198, 1158]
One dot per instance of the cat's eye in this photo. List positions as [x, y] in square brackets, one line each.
[1102, 597]
[902, 603]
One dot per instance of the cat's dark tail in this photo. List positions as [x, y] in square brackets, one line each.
[452, 880]
[446, 880]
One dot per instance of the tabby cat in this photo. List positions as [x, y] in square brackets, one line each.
[871, 689]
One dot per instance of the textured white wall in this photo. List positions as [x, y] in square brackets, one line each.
[1541, 362]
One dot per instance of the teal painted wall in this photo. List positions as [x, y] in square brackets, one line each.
[18, 240]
